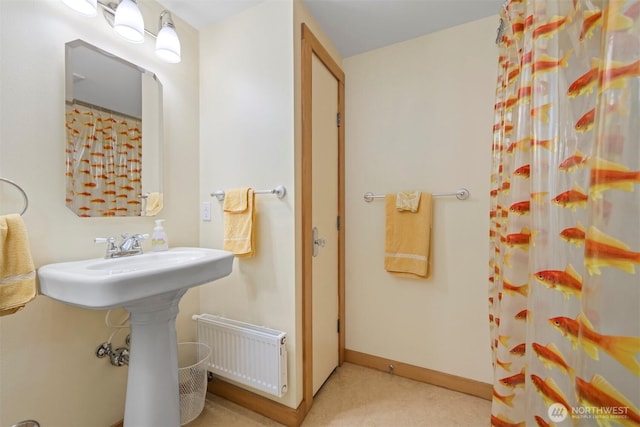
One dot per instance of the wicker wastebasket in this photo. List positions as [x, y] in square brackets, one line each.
[192, 376]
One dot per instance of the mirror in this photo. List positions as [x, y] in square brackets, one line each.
[113, 149]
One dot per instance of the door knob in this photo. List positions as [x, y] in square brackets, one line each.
[317, 242]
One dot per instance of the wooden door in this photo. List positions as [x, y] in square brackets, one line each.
[324, 220]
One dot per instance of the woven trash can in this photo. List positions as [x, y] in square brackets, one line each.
[192, 377]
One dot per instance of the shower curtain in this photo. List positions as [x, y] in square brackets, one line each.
[564, 286]
[103, 163]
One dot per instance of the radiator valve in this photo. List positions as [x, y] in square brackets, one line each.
[103, 350]
[119, 356]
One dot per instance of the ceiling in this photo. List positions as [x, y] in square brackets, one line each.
[355, 26]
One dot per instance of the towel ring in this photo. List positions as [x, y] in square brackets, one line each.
[24, 195]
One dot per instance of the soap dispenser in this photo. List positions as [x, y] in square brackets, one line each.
[159, 241]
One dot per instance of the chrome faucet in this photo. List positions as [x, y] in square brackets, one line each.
[131, 245]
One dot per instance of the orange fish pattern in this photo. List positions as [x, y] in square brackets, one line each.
[103, 163]
[564, 287]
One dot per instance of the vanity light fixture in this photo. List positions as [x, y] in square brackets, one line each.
[126, 19]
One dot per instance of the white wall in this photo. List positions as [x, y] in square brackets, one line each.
[247, 138]
[48, 370]
[419, 116]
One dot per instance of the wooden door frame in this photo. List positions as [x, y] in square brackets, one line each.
[310, 46]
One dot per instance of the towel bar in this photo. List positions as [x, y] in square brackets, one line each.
[461, 194]
[24, 194]
[280, 191]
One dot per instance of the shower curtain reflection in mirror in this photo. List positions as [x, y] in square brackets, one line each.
[103, 162]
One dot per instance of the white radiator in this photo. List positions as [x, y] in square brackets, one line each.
[247, 354]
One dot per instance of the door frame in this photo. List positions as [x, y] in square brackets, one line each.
[310, 46]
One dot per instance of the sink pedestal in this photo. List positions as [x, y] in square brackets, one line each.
[153, 397]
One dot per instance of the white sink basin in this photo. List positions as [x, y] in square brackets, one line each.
[108, 283]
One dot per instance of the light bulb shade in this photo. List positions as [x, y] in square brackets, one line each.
[83, 7]
[168, 45]
[167, 41]
[128, 21]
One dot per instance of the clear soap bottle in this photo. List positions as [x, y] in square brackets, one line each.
[159, 240]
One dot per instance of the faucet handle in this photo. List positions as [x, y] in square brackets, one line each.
[138, 238]
[111, 244]
[110, 240]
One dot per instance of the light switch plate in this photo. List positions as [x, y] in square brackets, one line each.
[206, 211]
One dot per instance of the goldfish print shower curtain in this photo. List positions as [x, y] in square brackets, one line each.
[565, 215]
[103, 163]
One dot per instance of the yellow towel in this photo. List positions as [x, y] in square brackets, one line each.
[17, 272]
[408, 201]
[154, 203]
[239, 222]
[408, 238]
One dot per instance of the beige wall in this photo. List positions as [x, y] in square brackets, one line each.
[250, 131]
[48, 370]
[247, 133]
[419, 116]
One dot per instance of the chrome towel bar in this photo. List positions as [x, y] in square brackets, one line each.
[461, 194]
[24, 194]
[280, 191]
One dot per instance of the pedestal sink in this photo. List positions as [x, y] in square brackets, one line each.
[149, 286]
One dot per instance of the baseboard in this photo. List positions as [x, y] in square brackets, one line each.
[440, 379]
[276, 411]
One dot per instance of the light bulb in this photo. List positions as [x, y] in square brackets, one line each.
[167, 41]
[83, 7]
[168, 45]
[128, 21]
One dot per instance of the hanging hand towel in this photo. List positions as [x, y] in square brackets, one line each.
[17, 272]
[408, 238]
[239, 222]
[154, 204]
[408, 201]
